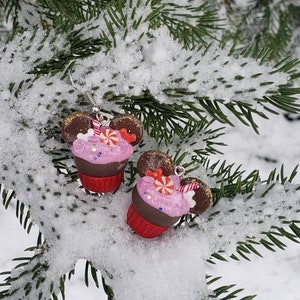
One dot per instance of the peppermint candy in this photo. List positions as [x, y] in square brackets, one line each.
[164, 185]
[109, 137]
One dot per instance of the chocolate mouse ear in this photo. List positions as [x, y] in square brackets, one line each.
[129, 122]
[202, 196]
[152, 160]
[77, 122]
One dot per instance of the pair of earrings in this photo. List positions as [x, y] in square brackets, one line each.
[160, 197]
[101, 148]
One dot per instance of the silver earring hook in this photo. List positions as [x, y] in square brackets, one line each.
[103, 118]
[95, 107]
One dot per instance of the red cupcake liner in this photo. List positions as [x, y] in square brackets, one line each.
[141, 226]
[101, 184]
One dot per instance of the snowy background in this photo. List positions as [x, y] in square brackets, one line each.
[273, 277]
[276, 275]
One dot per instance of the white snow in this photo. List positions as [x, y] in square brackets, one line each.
[78, 226]
[263, 276]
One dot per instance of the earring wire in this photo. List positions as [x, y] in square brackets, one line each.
[103, 118]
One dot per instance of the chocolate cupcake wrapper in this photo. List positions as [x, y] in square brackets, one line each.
[101, 184]
[141, 226]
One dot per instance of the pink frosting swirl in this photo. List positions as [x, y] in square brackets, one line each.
[174, 205]
[95, 150]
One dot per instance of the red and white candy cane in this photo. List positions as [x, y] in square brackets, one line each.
[109, 137]
[189, 187]
[164, 185]
[96, 127]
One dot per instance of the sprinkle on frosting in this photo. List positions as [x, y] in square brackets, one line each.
[173, 204]
[102, 150]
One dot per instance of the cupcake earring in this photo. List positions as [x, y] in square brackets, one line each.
[160, 197]
[101, 146]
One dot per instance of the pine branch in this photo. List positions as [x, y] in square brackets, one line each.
[240, 100]
[231, 180]
[192, 25]
[30, 278]
[263, 24]
[206, 85]
[21, 210]
[271, 240]
[117, 18]
[200, 140]
[277, 25]
[23, 15]
[12, 8]
[64, 15]
[81, 47]
[175, 119]
[255, 192]
[78, 48]
[225, 291]
[283, 96]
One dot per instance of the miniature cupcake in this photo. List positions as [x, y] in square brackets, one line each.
[159, 198]
[102, 152]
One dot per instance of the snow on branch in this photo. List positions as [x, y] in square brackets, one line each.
[124, 65]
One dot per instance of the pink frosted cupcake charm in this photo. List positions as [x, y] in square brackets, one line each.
[159, 199]
[101, 152]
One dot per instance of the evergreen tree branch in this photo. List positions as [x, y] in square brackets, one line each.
[65, 15]
[183, 91]
[253, 190]
[78, 48]
[193, 25]
[117, 17]
[30, 280]
[263, 24]
[12, 8]
[21, 210]
[225, 291]
[205, 86]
